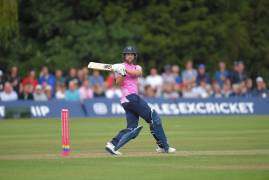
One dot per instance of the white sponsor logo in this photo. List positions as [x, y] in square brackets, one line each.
[39, 111]
[204, 108]
[100, 108]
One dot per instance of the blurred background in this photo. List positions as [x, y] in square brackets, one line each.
[190, 48]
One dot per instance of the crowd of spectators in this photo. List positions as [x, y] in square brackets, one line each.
[81, 84]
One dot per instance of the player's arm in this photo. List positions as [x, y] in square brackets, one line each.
[135, 72]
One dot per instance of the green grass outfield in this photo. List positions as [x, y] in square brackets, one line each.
[209, 148]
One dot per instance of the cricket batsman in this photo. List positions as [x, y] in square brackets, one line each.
[127, 74]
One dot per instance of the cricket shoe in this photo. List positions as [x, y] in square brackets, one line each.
[161, 150]
[111, 149]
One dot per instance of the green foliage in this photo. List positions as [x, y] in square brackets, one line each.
[71, 33]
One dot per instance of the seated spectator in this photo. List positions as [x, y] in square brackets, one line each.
[72, 94]
[72, 76]
[202, 75]
[14, 78]
[98, 91]
[203, 90]
[189, 75]
[149, 91]
[243, 90]
[96, 78]
[221, 75]
[27, 93]
[141, 84]
[249, 85]
[39, 94]
[113, 92]
[216, 90]
[227, 89]
[188, 91]
[60, 91]
[154, 80]
[260, 90]
[48, 91]
[46, 79]
[8, 94]
[2, 80]
[235, 90]
[169, 91]
[85, 91]
[30, 79]
[59, 78]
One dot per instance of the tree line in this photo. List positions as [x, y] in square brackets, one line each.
[70, 33]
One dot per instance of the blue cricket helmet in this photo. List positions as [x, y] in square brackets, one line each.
[129, 50]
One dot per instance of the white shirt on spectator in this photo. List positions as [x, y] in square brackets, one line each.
[154, 81]
[113, 93]
[201, 92]
[60, 95]
[12, 96]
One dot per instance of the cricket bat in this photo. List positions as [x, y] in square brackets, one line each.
[100, 66]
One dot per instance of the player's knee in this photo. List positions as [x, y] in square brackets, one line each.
[156, 120]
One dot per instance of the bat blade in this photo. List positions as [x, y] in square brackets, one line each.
[100, 66]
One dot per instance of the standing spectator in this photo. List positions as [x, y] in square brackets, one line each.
[14, 78]
[81, 77]
[72, 76]
[72, 94]
[60, 91]
[238, 74]
[154, 80]
[242, 76]
[46, 79]
[59, 78]
[27, 93]
[96, 78]
[178, 78]
[260, 90]
[85, 91]
[30, 79]
[189, 75]
[110, 80]
[167, 76]
[202, 75]
[8, 94]
[39, 94]
[176, 73]
[221, 75]
[2, 80]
